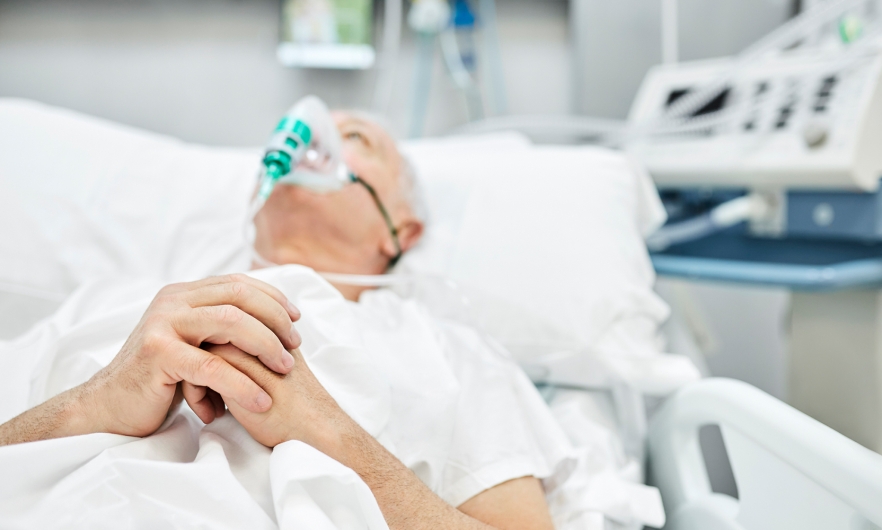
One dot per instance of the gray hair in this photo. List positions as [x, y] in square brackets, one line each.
[412, 190]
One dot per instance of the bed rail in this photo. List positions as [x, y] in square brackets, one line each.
[791, 470]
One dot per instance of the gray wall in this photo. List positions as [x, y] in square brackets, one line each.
[616, 41]
[205, 70]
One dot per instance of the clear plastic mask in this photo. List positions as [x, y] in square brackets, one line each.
[321, 167]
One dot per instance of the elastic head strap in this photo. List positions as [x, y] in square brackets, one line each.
[392, 230]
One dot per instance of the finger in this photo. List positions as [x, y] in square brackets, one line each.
[200, 403]
[200, 368]
[251, 300]
[268, 289]
[218, 402]
[248, 365]
[176, 400]
[222, 324]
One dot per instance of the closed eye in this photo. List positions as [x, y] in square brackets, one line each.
[356, 136]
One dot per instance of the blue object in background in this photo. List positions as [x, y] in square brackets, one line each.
[463, 17]
[464, 24]
[832, 240]
[845, 275]
[835, 215]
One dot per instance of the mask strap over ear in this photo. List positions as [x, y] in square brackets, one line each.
[385, 213]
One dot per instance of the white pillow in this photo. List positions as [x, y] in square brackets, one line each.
[548, 244]
[82, 198]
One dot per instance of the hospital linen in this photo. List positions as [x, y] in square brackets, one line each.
[453, 408]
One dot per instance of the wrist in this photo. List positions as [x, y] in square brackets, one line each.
[79, 412]
[355, 448]
[331, 434]
[62, 416]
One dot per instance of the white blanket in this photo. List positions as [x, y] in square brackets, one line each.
[187, 474]
[455, 410]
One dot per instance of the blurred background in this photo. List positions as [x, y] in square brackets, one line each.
[209, 71]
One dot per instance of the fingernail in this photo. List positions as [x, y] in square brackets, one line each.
[295, 313]
[287, 360]
[295, 337]
[263, 400]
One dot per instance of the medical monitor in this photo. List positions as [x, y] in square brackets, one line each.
[793, 121]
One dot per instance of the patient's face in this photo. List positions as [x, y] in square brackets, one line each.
[341, 231]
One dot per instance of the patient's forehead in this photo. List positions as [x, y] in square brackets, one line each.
[351, 121]
[371, 145]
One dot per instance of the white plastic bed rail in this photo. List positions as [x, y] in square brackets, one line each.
[791, 470]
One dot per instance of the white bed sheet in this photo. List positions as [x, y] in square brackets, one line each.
[459, 414]
[187, 474]
[462, 424]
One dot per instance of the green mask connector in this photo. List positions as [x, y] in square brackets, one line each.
[850, 28]
[276, 165]
[291, 136]
[295, 127]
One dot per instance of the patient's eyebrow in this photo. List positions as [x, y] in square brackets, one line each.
[354, 121]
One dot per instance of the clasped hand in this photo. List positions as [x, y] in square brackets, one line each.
[164, 361]
[221, 342]
[302, 409]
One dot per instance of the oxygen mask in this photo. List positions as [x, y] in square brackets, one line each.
[304, 150]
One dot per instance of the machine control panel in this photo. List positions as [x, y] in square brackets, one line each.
[793, 121]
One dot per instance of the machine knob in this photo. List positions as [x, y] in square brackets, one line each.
[815, 134]
[823, 214]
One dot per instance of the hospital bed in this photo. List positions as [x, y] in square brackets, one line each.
[502, 213]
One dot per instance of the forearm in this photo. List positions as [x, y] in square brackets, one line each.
[64, 415]
[405, 501]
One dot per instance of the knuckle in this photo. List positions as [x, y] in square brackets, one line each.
[228, 314]
[154, 321]
[238, 291]
[169, 289]
[167, 296]
[282, 317]
[163, 299]
[211, 365]
[154, 342]
[236, 277]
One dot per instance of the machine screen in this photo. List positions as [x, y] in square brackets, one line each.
[714, 105]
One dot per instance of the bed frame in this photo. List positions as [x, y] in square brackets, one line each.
[791, 470]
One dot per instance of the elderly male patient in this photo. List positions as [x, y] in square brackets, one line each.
[229, 343]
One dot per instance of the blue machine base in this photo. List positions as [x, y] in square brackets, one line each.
[809, 265]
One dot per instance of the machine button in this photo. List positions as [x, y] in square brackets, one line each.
[815, 134]
[823, 214]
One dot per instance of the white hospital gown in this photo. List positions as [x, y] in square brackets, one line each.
[485, 422]
[457, 412]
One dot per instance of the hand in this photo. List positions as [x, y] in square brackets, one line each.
[162, 362]
[302, 409]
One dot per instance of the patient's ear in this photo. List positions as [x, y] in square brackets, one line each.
[409, 233]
